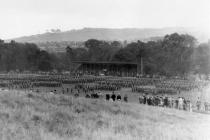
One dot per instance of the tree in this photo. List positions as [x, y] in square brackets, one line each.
[201, 59]
[99, 50]
[70, 53]
[178, 50]
[141, 55]
[44, 63]
[1, 41]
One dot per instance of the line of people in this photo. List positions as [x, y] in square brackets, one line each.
[153, 89]
[116, 97]
[166, 101]
[119, 82]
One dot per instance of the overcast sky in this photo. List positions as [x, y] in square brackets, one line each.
[27, 17]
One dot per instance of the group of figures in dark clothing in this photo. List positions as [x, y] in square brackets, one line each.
[164, 101]
[91, 93]
[113, 97]
[160, 101]
[109, 97]
[147, 99]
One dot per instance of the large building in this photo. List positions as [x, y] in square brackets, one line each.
[127, 69]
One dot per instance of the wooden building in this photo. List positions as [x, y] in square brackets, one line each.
[112, 68]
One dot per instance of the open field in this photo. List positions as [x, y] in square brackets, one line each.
[35, 116]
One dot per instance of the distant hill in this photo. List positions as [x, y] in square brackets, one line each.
[129, 34]
[57, 41]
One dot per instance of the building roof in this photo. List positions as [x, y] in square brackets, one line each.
[106, 62]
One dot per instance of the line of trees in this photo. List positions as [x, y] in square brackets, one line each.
[23, 57]
[175, 54]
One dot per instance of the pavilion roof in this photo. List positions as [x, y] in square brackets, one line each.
[106, 62]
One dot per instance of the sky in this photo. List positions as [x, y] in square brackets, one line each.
[28, 17]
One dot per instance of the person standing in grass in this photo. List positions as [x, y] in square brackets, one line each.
[206, 105]
[118, 97]
[189, 106]
[141, 99]
[145, 99]
[170, 102]
[198, 104]
[125, 98]
[180, 103]
[107, 97]
[113, 96]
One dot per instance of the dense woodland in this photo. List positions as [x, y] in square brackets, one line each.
[175, 54]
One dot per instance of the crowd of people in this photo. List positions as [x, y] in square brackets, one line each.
[151, 100]
[166, 101]
[183, 85]
[104, 83]
[179, 103]
[92, 85]
[154, 90]
[29, 82]
[154, 97]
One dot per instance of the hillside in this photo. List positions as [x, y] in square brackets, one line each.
[129, 34]
[46, 116]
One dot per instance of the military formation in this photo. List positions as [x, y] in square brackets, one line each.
[30, 82]
[152, 91]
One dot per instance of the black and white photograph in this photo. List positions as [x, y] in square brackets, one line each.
[105, 70]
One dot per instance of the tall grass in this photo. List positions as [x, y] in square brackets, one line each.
[43, 116]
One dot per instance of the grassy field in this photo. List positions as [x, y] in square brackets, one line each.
[45, 116]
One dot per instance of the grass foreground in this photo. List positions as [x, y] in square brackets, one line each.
[44, 116]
